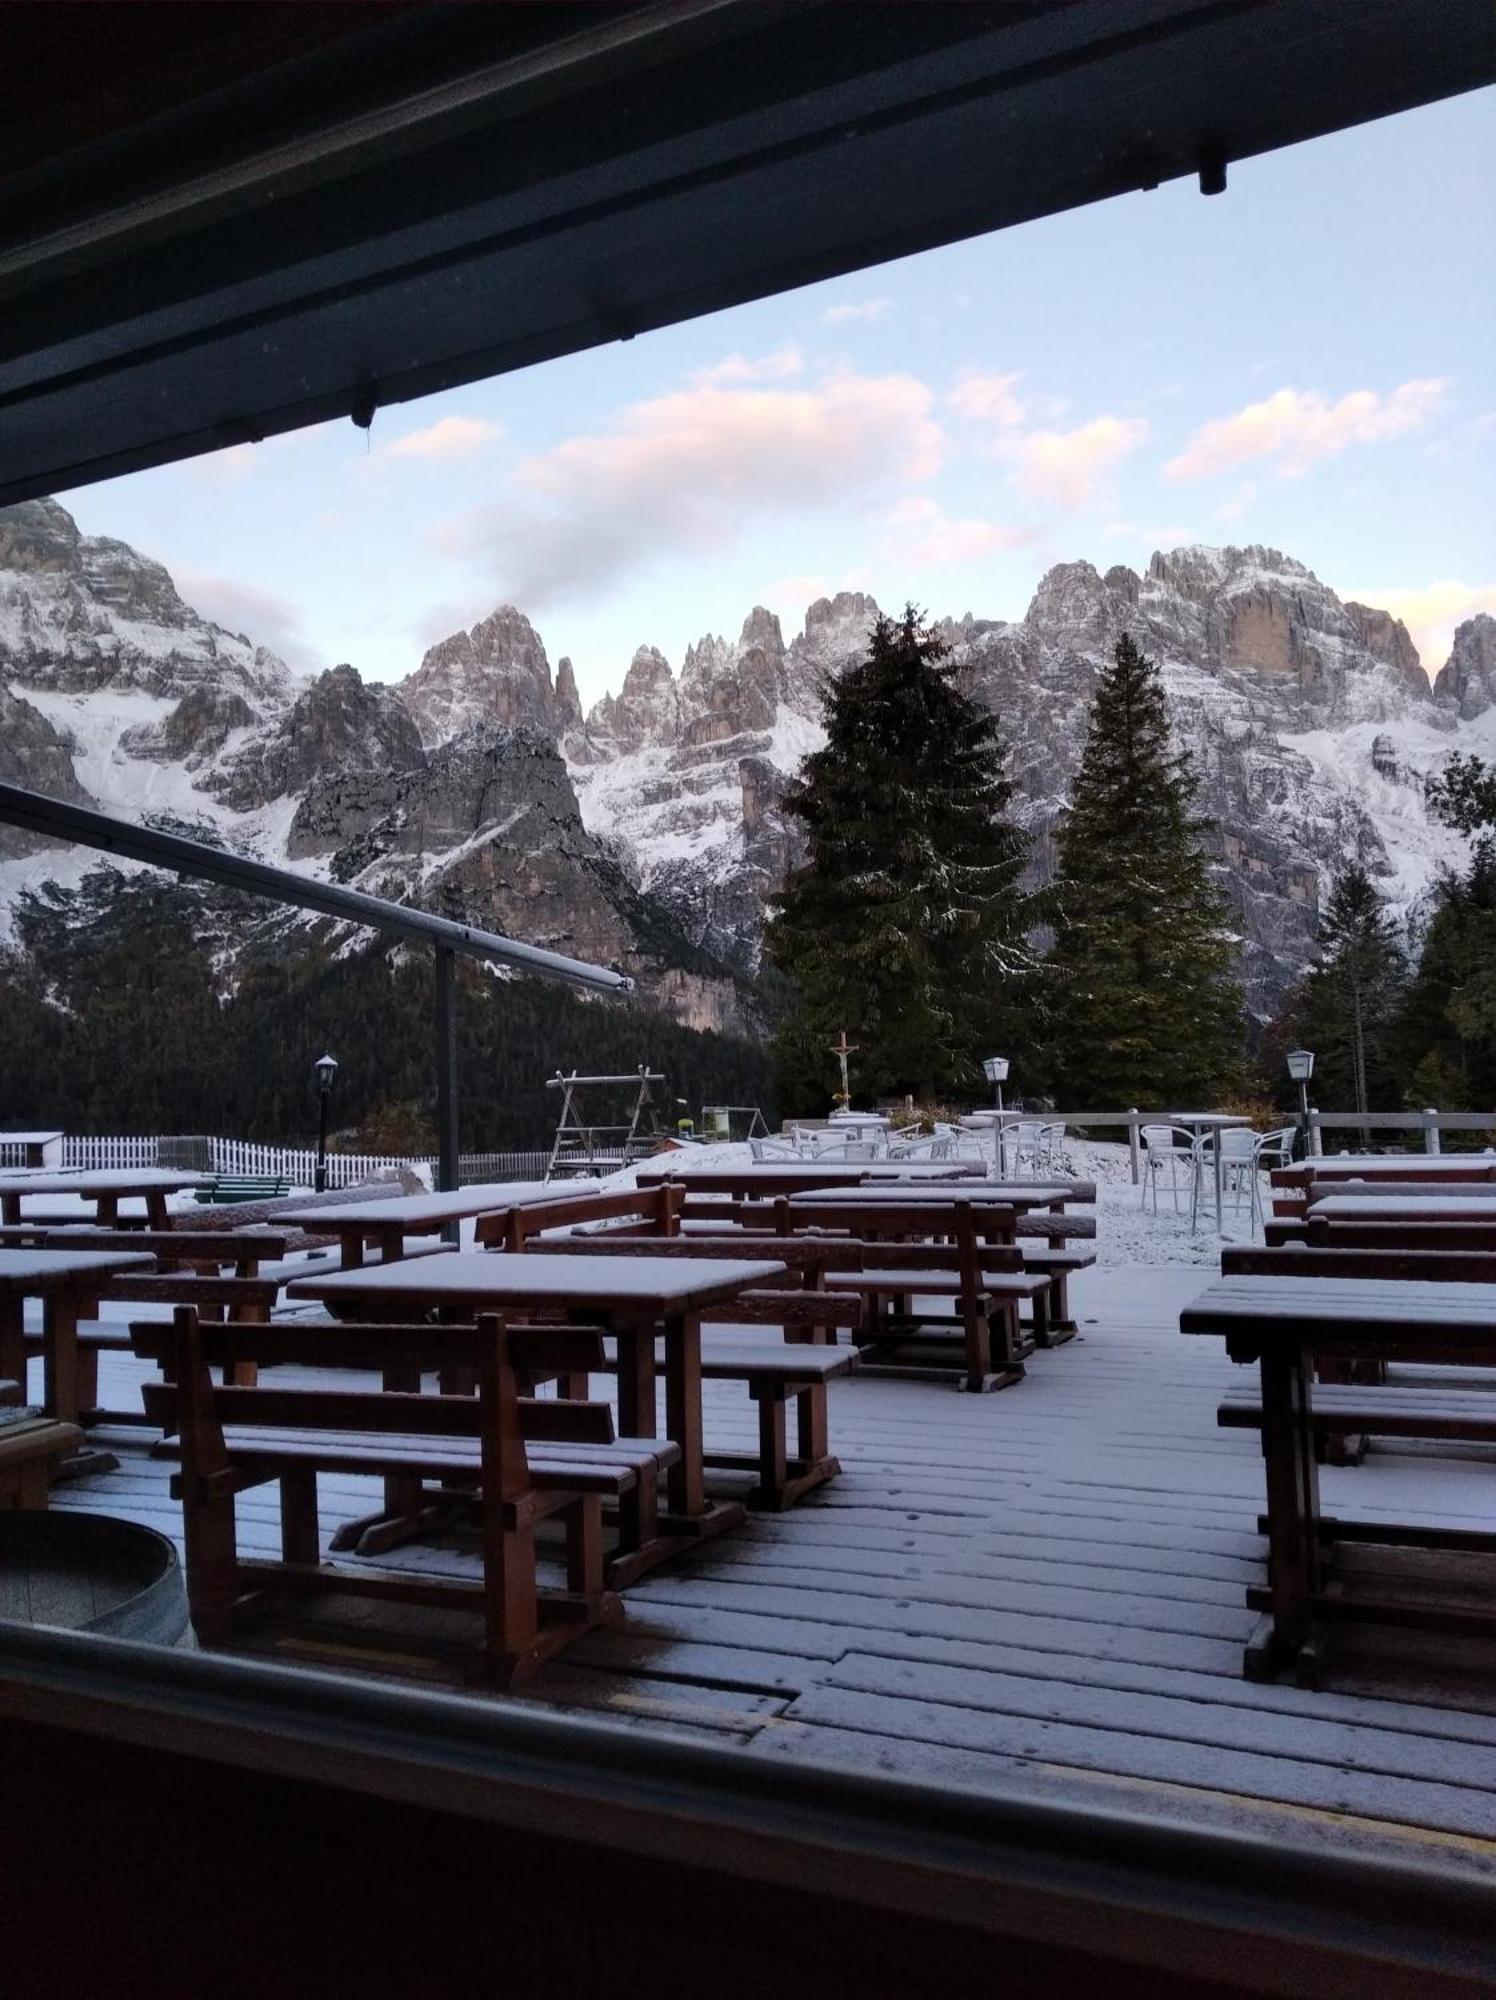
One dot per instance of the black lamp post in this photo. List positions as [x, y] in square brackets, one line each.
[1301, 1068]
[326, 1068]
[995, 1069]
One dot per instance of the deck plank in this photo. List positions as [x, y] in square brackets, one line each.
[1040, 1588]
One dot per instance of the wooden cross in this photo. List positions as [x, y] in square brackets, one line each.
[841, 1048]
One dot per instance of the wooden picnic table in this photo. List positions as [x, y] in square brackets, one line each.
[105, 1187]
[1477, 1191]
[635, 1299]
[1283, 1323]
[766, 1179]
[1022, 1199]
[386, 1220]
[1386, 1166]
[1338, 1207]
[67, 1282]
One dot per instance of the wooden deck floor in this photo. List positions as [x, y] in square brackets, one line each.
[1038, 1589]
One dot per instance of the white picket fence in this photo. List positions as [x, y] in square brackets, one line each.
[297, 1164]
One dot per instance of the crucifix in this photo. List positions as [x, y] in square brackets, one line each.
[841, 1048]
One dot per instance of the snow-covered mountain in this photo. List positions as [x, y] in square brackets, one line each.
[647, 832]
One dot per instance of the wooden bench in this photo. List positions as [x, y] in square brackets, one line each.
[522, 1461]
[655, 1208]
[249, 1299]
[244, 1249]
[984, 1278]
[1396, 1410]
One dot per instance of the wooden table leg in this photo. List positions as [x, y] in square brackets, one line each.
[60, 1357]
[686, 1483]
[60, 1397]
[1295, 1559]
[13, 1342]
[643, 1542]
[106, 1212]
[155, 1209]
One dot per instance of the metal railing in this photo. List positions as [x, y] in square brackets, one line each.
[1430, 1123]
[204, 1153]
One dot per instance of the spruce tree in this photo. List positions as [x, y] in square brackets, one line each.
[1347, 1007]
[906, 926]
[1143, 990]
[1447, 1035]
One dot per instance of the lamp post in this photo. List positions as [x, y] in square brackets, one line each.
[326, 1068]
[1301, 1068]
[995, 1069]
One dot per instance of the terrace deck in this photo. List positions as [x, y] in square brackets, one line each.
[1041, 1589]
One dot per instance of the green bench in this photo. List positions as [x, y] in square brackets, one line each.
[243, 1187]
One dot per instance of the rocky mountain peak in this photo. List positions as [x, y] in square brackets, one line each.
[338, 723]
[1387, 639]
[646, 709]
[495, 675]
[1073, 606]
[79, 613]
[1467, 680]
[568, 700]
[648, 674]
[761, 632]
[38, 535]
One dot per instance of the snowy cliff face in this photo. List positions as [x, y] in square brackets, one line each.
[1468, 678]
[649, 831]
[115, 692]
[1311, 722]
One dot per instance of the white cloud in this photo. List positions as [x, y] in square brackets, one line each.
[1297, 427]
[1240, 501]
[858, 309]
[1431, 612]
[263, 616]
[448, 439]
[987, 399]
[236, 461]
[1151, 535]
[1072, 469]
[790, 594]
[693, 471]
[922, 534]
[780, 366]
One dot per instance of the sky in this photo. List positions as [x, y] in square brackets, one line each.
[1307, 361]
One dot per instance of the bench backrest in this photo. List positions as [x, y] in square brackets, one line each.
[1314, 1173]
[819, 1258]
[1309, 1261]
[921, 1220]
[249, 1299]
[182, 1246]
[499, 1416]
[512, 1228]
[1333, 1235]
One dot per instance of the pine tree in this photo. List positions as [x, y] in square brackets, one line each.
[1143, 993]
[1347, 1007]
[906, 926]
[1447, 1035]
